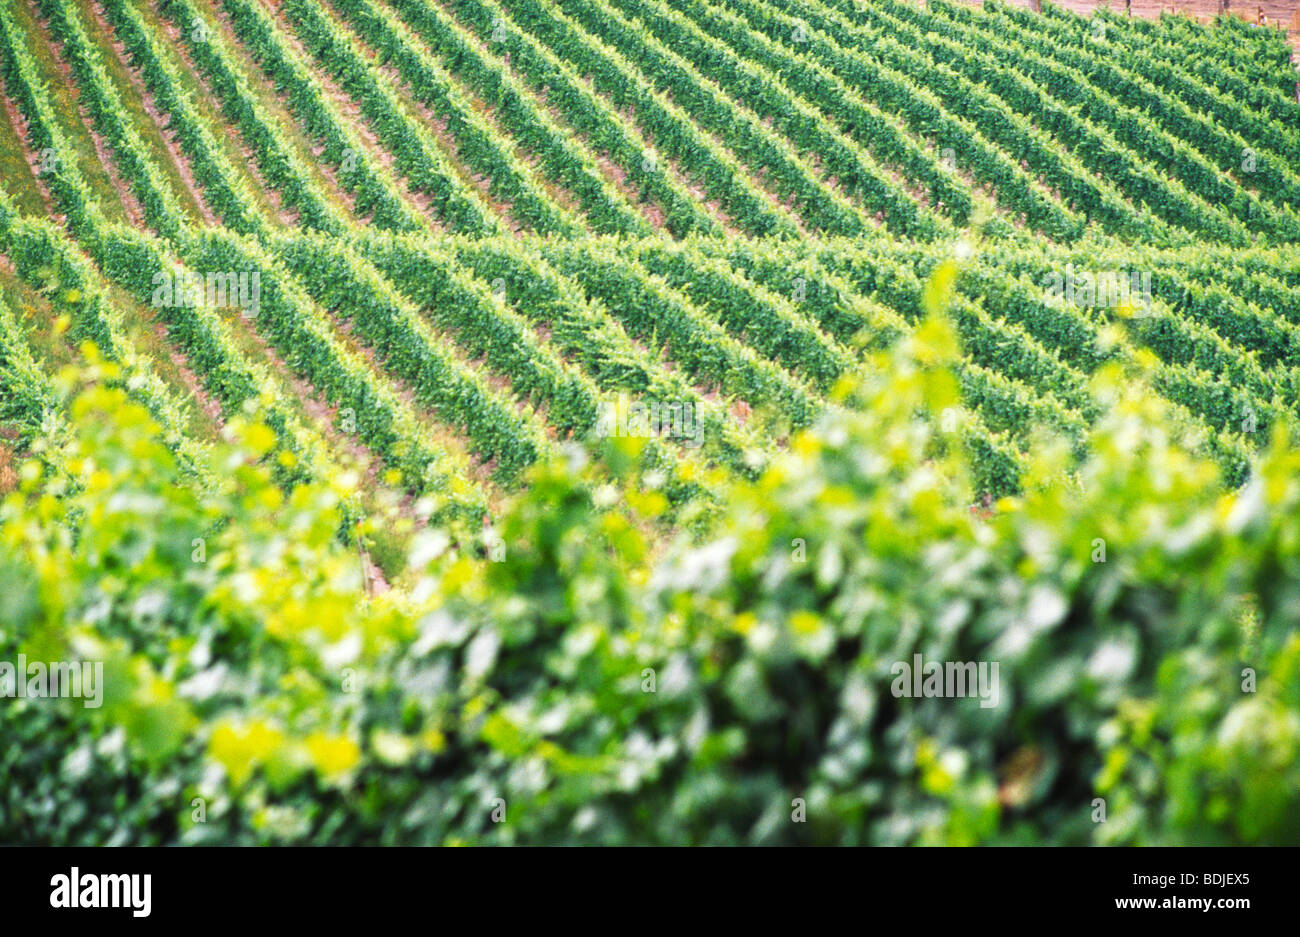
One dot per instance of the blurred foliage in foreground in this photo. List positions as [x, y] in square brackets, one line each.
[582, 690]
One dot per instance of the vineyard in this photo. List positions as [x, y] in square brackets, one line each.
[550, 421]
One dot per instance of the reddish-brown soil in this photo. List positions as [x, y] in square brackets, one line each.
[8, 475]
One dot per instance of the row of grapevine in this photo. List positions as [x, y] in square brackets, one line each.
[734, 124]
[1281, 265]
[484, 328]
[730, 315]
[416, 154]
[134, 262]
[380, 421]
[429, 277]
[1269, 49]
[1273, 120]
[564, 163]
[1270, 337]
[1268, 276]
[1229, 53]
[1003, 347]
[367, 411]
[1213, 323]
[1212, 386]
[665, 122]
[1095, 149]
[161, 207]
[1216, 330]
[763, 320]
[333, 382]
[1010, 407]
[64, 180]
[347, 284]
[650, 309]
[882, 74]
[376, 194]
[50, 264]
[856, 116]
[137, 262]
[1006, 403]
[1279, 103]
[304, 337]
[1002, 396]
[429, 274]
[1071, 331]
[28, 401]
[854, 170]
[1202, 370]
[585, 330]
[227, 195]
[1269, 173]
[893, 278]
[1012, 377]
[491, 326]
[1197, 368]
[1141, 118]
[823, 296]
[509, 455]
[59, 173]
[583, 110]
[157, 199]
[281, 168]
[1002, 125]
[1267, 289]
[1002, 409]
[1074, 127]
[53, 264]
